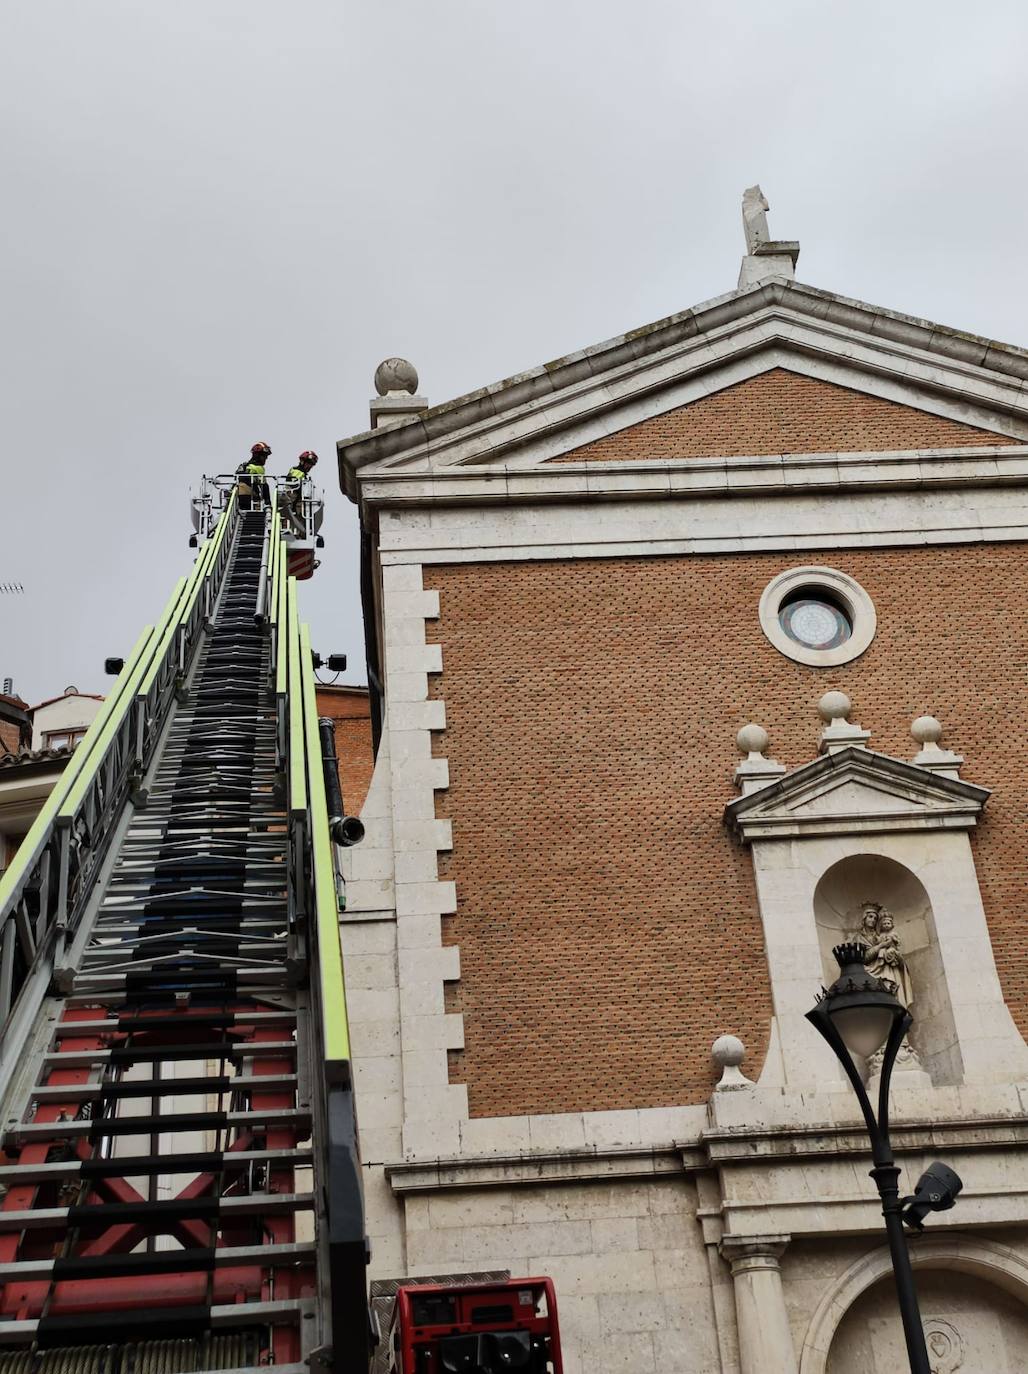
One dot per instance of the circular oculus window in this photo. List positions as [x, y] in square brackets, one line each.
[818, 616]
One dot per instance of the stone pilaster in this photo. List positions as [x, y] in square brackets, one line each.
[765, 1341]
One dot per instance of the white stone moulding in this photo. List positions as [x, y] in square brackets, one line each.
[531, 1170]
[743, 522]
[673, 362]
[838, 585]
[656, 479]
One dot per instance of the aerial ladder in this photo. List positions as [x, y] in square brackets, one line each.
[179, 1171]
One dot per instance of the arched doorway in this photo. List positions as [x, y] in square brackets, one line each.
[970, 1325]
[974, 1304]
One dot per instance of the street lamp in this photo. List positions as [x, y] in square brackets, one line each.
[860, 1014]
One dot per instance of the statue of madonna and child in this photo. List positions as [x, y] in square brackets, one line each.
[885, 960]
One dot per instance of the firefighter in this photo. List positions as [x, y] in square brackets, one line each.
[251, 476]
[291, 495]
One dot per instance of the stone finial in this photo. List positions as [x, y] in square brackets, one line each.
[396, 375]
[728, 1052]
[765, 256]
[752, 740]
[927, 731]
[396, 381]
[835, 708]
[755, 770]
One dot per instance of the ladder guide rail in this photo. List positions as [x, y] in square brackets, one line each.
[175, 1062]
[43, 891]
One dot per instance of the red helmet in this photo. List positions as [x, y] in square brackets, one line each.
[308, 456]
[260, 448]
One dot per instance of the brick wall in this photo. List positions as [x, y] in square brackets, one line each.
[349, 708]
[607, 924]
[781, 412]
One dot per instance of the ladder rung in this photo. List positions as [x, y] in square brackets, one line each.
[163, 1087]
[150, 1054]
[165, 982]
[149, 1323]
[131, 1166]
[31, 1131]
[133, 1021]
[198, 1260]
[164, 1210]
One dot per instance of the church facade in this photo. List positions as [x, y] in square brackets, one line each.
[694, 655]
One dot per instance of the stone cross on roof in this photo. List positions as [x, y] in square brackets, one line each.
[754, 218]
[765, 257]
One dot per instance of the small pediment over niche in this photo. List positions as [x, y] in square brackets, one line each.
[855, 791]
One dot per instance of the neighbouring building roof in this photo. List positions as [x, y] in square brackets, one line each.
[87, 696]
[36, 756]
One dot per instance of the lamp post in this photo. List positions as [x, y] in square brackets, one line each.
[860, 1014]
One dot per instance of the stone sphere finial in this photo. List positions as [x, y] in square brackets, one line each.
[396, 374]
[728, 1051]
[752, 739]
[834, 706]
[926, 730]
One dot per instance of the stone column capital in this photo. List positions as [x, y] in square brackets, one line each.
[748, 1253]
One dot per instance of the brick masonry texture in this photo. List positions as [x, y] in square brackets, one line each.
[349, 708]
[607, 923]
[780, 412]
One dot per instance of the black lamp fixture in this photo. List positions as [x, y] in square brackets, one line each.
[861, 1015]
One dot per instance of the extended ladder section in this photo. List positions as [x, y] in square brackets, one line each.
[181, 1186]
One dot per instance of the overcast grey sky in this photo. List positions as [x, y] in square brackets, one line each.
[219, 215]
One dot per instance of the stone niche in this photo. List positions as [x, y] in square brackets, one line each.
[855, 826]
[838, 900]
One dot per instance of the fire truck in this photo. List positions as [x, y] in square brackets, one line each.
[180, 1181]
[480, 1328]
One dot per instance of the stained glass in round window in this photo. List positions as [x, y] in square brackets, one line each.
[815, 619]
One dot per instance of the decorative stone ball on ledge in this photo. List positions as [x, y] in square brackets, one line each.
[728, 1052]
[396, 374]
[752, 739]
[834, 706]
[926, 730]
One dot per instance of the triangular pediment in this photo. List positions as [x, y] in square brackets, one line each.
[855, 791]
[780, 368]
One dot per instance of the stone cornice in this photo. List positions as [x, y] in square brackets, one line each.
[773, 475]
[496, 418]
[742, 1146]
[748, 1146]
[567, 1166]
